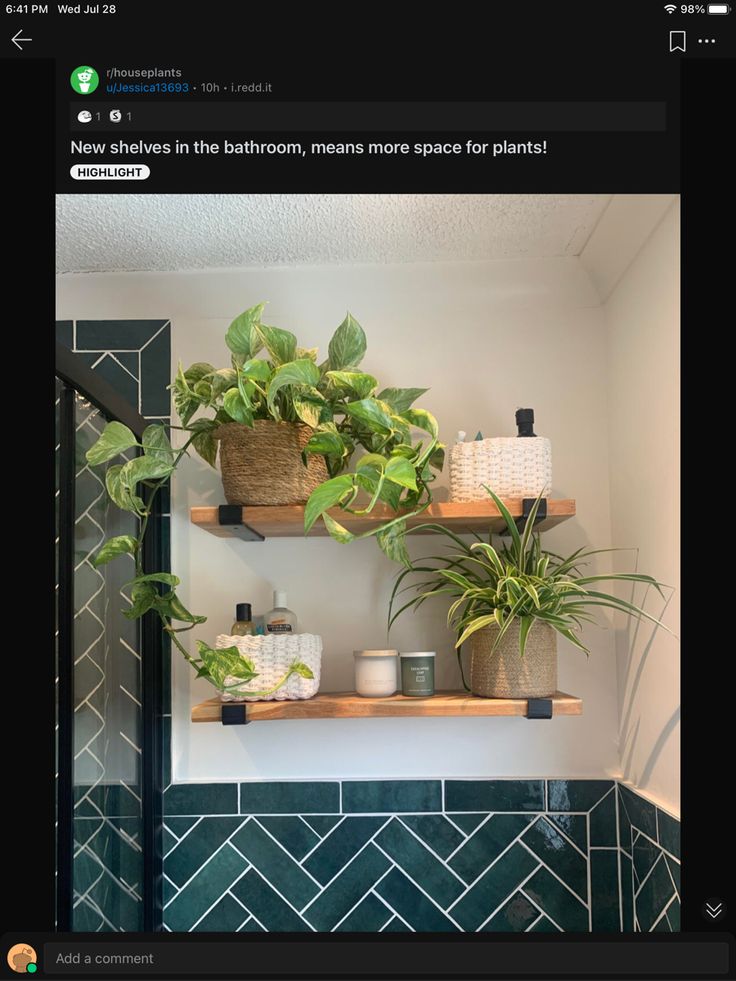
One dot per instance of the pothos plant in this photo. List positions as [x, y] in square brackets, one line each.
[156, 591]
[340, 403]
[288, 384]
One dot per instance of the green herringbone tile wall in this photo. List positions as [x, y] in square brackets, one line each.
[417, 855]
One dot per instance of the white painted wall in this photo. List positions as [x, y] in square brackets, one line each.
[642, 329]
[486, 337]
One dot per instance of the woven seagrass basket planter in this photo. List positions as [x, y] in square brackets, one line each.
[504, 673]
[513, 467]
[263, 465]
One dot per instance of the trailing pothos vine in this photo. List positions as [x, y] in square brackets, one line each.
[156, 591]
[363, 434]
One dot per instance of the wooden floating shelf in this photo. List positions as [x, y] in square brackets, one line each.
[348, 705]
[287, 521]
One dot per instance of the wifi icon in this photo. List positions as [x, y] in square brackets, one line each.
[670, 8]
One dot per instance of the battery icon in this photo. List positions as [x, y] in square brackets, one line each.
[718, 8]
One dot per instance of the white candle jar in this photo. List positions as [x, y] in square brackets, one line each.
[376, 673]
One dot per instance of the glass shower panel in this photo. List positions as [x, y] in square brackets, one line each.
[107, 865]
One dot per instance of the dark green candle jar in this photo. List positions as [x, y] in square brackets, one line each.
[417, 673]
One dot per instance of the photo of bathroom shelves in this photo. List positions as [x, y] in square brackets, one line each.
[287, 521]
[349, 705]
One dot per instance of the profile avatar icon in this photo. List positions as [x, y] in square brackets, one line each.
[22, 959]
[84, 79]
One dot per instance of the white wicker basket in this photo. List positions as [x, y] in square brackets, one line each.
[511, 466]
[272, 656]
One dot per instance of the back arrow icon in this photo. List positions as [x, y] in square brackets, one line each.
[16, 38]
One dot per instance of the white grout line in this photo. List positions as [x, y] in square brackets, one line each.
[117, 880]
[288, 855]
[390, 917]
[219, 898]
[130, 791]
[401, 918]
[431, 851]
[423, 891]
[654, 865]
[562, 835]
[272, 886]
[254, 917]
[457, 826]
[387, 904]
[663, 913]
[355, 906]
[308, 825]
[643, 834]
[397, 917]
[187, 832]
[130, 742]
[532, 925]
[633, 896]
[490, 866]
[589, 879]
[95, 908]
[340, 871]
[126, 370]
[387, 814]
[233, 896]
[196, 873]
[506, 898]
[331, 831]
[123, 688]
[485, 820]
[543, 912]
[171, 882]
[552, 872]
[674, 886]
[250, 915]
[153, 338]
[618, 864]
[226, 842]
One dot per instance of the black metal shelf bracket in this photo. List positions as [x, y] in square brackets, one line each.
[526, 509]
[233, 714]
[231, 516]
[539, 708]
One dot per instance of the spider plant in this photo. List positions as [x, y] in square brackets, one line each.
[519, 580]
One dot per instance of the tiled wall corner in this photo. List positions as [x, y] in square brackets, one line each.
[650, 865]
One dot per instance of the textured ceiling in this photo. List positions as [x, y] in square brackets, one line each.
[104, 232]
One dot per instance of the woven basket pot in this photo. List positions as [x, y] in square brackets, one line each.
[505, 673]
[272, 657]
[263, 465]
[510, 466]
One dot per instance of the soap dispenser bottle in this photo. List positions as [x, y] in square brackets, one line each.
[280, 620]
[243, 626]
